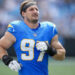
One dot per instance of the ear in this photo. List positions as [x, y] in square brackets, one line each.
[23, 14]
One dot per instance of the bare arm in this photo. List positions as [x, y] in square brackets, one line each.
[60, 50]
[5, 42]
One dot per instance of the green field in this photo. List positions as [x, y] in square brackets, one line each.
[66, 67]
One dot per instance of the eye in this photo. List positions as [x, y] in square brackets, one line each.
[31, 9]
[36, 9]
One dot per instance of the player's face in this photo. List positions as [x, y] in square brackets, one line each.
[32, 14]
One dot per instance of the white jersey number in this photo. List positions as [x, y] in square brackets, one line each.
[30, 50]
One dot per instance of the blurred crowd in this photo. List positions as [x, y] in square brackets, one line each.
[60, 12]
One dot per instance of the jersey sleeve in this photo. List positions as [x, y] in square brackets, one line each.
[11, 29]
[54, 31]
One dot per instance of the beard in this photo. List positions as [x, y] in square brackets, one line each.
[33, 21]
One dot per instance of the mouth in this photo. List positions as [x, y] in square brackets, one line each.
[35, 15]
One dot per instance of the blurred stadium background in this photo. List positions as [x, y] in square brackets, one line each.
[60, 12]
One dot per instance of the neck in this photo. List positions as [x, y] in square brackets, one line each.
[31, 25]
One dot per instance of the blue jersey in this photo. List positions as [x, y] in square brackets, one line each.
[33, 62]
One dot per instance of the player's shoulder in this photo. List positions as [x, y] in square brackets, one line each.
[17, 22]
[47, 24]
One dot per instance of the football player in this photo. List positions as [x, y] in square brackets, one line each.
[33, 42]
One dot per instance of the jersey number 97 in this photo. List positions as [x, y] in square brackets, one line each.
[30, 50]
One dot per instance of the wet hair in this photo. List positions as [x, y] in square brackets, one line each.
[25, 5]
